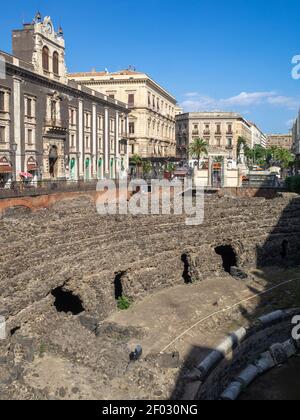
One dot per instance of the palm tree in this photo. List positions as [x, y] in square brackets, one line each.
[147, 167]
[198, 148]
[284, 158]
[137, 161]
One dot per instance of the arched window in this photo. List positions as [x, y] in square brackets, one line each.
[46, 58]
[55, 63]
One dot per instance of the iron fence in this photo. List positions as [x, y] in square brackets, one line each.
[23, 189]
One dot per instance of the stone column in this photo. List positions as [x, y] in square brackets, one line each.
[94, 147]
[17, 125]
[118, 162]
[80, 140]
[106, 143]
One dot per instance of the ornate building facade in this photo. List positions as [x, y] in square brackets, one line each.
[220, 130]
[51, 127]
[153, 110]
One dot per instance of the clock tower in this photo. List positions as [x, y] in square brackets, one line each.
[39, 44]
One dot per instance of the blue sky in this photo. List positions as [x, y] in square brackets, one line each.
[226, 55]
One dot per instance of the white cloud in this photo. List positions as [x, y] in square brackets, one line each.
[197, 102]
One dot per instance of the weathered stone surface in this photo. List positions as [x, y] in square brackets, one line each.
[73, 248]
[238, 273]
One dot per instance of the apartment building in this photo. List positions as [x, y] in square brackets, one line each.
[153, 110]
[280, 140]
[220, 130]
[258, 137]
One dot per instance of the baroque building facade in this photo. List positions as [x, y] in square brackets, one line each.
[153, 110]
[220, 130]
[51, 127]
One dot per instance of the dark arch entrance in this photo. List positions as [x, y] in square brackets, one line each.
[187, 277]
[53, 157]
[66, 301]
[118, 285]
[228, 256]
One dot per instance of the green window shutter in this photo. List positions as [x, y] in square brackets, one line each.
[73, 162]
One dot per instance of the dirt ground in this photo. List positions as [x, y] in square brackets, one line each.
[64, 369]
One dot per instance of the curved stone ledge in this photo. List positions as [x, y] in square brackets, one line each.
[242, 357]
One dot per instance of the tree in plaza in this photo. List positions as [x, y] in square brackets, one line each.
[137, 161]
[147, 167]
[197, 149]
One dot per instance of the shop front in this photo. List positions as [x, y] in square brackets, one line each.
[6, 173]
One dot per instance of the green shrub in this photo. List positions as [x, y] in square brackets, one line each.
[124, 303]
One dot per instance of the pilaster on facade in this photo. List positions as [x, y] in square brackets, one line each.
[17, 123]
[80, 138]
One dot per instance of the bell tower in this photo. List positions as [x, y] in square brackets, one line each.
[39, 44]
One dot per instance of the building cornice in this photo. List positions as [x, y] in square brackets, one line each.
[20, 72]
[129, 80]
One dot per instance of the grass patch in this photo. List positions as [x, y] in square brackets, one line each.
[124, 303]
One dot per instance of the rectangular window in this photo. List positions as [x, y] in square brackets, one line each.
[87, 142]
[131, 99]
[229, 142]
[87, 120]
[72, 140]
[100, 122]
[2, 101]
[29, 107]
[229, 128]
[2, 134]
[218, 130]
[29, 137]
[131, 128]
[112, 126]
[112, 96]
[72, 116]
[100, 143]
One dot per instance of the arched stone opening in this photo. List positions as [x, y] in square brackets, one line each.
[66, 301]
[118, 285]
[228, 256]
[187, 276]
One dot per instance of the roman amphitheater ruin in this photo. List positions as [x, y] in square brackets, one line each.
[63, 269]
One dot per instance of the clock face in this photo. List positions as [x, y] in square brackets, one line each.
[49, 28]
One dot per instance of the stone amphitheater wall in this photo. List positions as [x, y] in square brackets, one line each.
[72, 247]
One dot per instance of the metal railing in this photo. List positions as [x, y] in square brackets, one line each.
[25, 189]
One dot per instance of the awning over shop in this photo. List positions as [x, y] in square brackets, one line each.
[32, 167]
[25, 175]
[5, 166]
[5, 169]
